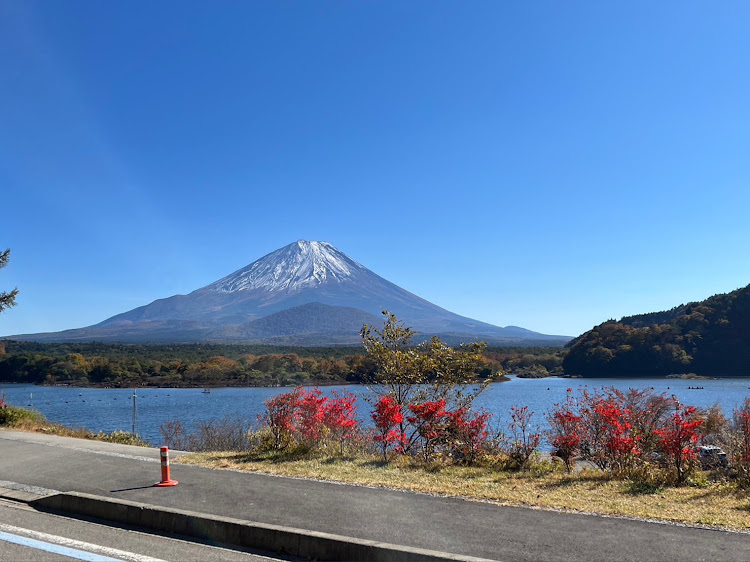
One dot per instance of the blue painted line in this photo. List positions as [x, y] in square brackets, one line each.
[55, 548]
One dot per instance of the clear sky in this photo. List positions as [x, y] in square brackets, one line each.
[549, 165]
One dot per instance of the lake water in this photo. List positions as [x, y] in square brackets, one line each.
[110, 409]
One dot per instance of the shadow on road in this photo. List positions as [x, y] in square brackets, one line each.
[130, 489]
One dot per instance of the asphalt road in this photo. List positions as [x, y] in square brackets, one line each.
[58, 533]
[446, 524]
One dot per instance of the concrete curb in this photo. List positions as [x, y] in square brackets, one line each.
[261, 536]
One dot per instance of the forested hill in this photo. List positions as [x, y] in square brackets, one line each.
[195, 365]
[711, 337]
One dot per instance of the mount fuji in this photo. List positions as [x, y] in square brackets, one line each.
[306, 293]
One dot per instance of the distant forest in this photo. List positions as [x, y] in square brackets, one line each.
[710, 338]
[113, 365]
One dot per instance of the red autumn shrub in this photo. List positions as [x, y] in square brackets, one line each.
[593, 426]
[565, 430]
[281, 416]
[388, 417]
[648, 412]
[305, 415]
[609, 437]
[678, 438]
[340, 416]
[309, 420]
[429, 420]
[618, 446]
[468, 433]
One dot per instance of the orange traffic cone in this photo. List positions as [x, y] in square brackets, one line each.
[165, 478]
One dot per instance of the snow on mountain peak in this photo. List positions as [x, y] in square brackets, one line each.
[300, 265]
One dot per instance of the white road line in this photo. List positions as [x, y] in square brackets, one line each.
[78, 549]
[82, 449]
[108, 453]
[26, 488]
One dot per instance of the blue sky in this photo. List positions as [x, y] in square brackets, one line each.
[548, 164]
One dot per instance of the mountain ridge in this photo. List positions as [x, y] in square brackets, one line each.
[298, 274]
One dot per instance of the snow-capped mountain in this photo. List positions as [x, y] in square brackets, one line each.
[289, 281]
[301, 265]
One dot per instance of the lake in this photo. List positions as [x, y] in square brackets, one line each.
[110, 409]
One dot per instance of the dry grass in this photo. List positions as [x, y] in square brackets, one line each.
[712, 504]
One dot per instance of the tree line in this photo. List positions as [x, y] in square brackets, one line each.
[272, 369]
[191, 365]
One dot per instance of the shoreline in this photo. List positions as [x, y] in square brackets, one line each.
[307, 384]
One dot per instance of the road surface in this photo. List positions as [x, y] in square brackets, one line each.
[450, 525]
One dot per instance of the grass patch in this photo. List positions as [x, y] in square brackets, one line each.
[715, 504]
[13, 416]
[640, 488]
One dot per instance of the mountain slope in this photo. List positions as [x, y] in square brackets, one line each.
[298, 274]
[299, 325]
[711, 337]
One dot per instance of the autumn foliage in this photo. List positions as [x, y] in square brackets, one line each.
[310, 413]
[471, 436]
[388, 417]
[565, 430]
[340, 417]
[307, 417]
[281, 417]
[617, 431]
[678, 438]
[606, 430]
[429, 420]
[627, 432]
[457, 434]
